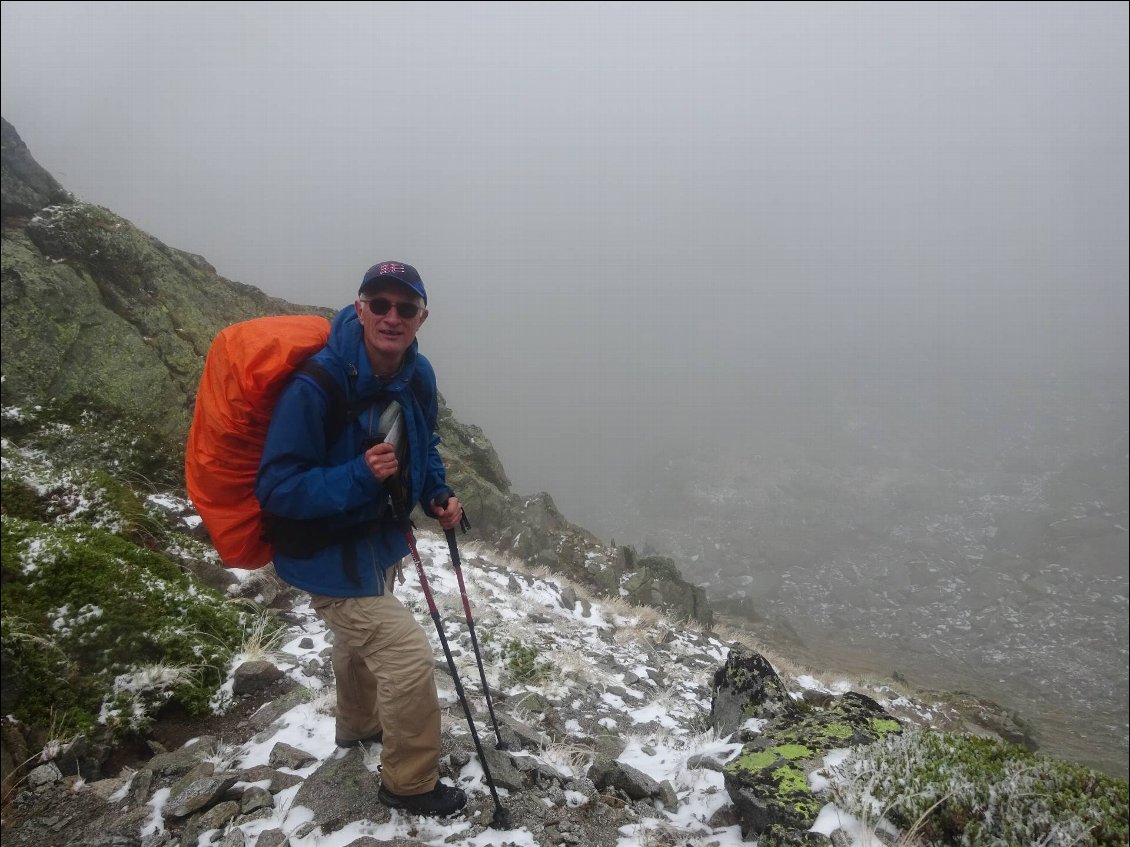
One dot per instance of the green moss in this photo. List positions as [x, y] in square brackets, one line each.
[837, 730]
[106, 627]
[767, 773]
[882, 726]
[791, 781]
[20, 500]
[755, 761]
[792, 752]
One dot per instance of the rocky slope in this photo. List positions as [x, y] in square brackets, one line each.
[620, 728]
[101, 319]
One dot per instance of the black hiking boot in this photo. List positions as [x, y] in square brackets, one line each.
[441, 801]
[361, 742]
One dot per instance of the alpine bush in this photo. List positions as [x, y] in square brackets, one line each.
[522, 662]
[975, 792]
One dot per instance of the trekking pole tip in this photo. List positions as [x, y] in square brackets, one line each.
[501, 819]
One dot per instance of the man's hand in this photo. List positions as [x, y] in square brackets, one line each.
[449, 513]
[381, 459]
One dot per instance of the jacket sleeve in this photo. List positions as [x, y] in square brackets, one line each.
[295, 478]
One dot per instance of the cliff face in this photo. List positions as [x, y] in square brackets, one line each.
[101, 319]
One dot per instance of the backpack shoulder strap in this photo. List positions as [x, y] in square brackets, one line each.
[338, 413]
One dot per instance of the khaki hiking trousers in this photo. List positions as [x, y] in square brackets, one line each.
[384, 667]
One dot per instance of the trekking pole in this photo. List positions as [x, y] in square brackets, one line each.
[392, 423]
[501, 819]
[465, 525]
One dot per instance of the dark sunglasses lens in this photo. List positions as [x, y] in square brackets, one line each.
[380, 306]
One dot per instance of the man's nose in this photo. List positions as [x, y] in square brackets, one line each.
[391, 316]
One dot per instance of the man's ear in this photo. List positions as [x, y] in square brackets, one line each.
[423, 317]
[359, 307]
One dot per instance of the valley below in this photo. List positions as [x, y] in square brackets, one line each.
[976, 543]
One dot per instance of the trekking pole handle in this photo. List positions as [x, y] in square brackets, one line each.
[464, 524]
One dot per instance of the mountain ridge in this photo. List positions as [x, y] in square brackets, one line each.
[101, 317]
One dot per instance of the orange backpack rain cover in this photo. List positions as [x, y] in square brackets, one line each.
[246, 369]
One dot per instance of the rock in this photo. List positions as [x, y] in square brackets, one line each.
[272, 838]
[502, 770]
[43, 776]
[704, 762]
[568, 598]
[278, 780]
[286, 756]
[340, 791]
[198, 791]
[111, 840]
[78, 758]
[768, 782]
[139, 787]
[28, 187]
[271, 711]
[216, 817]
[104, 789]
[183, 760]
[747, 687]
[254, 676]
[528, 737]
[610, 773]
[255, 798]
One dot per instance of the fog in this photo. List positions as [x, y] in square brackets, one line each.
[668, 246]
[622, 211]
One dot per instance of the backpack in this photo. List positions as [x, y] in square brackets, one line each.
[245, 371]
[247, 367]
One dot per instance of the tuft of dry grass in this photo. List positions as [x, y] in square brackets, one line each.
[574, 663]
[573, 758]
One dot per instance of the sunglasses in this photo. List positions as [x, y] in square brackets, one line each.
[381, 306]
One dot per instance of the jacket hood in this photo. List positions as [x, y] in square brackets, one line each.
[347, 343]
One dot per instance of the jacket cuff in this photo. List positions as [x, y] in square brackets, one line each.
[363, 478]
[438, 494]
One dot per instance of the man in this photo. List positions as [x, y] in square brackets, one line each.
[332, 495]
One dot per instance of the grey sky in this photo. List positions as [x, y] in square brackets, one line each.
[622, 211]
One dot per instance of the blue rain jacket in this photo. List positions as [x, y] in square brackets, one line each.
[303, 477]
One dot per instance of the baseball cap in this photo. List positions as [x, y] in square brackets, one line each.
[397, 272]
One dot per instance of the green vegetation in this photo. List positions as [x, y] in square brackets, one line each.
[884, 726]
[99, 630]
[755, 761]
[792, 752]
[523, 663]
[976, 792]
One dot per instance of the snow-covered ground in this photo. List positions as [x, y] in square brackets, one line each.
[603, 667]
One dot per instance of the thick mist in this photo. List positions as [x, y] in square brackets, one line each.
[638, 223]
[804, 295]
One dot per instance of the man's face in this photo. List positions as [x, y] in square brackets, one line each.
[388, 336]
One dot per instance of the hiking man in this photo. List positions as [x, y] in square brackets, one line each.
[330, 498]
